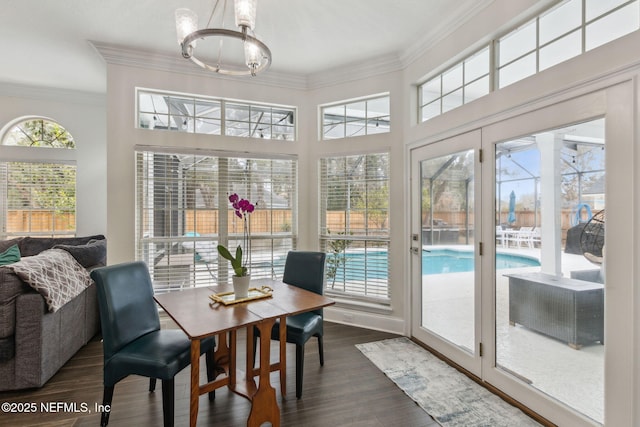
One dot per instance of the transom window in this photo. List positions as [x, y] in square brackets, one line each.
[561, 33]
[360, 117]
[458, 85]
[354, 225]
[215, 116]
[37, 189]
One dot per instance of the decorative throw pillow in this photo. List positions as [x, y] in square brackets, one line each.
[93, 253]
[55, 274]
[11, 255]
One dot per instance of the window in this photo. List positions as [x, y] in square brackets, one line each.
[458, 85]
[182, 113]
[568, 29]
[183, 213]
[362, 117]
[37, 194]
[354, 225]
[561, 33]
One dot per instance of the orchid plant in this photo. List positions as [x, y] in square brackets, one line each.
[243, 208]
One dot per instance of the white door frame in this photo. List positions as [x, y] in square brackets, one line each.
[613, 99]
[467, 141]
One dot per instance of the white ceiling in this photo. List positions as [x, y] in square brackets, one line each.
[46, 42]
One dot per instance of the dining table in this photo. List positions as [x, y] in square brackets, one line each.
[202, 313]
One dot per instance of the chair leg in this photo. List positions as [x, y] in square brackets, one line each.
[321, 350]
[255, 344]
[168, 402]
[299, 369]
[107, 397]
[211, 369]
[152, 385]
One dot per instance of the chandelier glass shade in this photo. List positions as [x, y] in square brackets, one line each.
[257, 56]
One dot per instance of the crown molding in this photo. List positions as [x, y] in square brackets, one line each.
[355, 71]
[444, 30]
[131, 57]
[18, 90]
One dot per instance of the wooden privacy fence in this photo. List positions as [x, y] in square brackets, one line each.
[20, 220]
[523, 219]
[262, 221]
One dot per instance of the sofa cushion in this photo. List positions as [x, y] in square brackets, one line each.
[30, 246]
[11, 255]
[55, 274]
[90, 254]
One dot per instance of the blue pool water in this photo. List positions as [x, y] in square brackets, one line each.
[438, 261]
[452, 261]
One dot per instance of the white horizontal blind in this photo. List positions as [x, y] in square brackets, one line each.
[39, 199]
[354, 224]
[183, 213]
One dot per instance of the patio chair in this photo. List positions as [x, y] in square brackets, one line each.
[501, 235]
[133, 343]
[523, 235]
[536, 238]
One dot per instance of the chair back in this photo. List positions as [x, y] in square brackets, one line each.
[127, 308]
[305, 270]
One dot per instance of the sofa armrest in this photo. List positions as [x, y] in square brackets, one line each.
[10, 288]
[37, 334]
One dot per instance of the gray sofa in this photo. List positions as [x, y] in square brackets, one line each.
[36, 343]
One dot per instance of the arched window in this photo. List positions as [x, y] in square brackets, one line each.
[38, 185]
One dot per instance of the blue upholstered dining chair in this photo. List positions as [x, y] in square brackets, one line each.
[304, 270]
[133, 343]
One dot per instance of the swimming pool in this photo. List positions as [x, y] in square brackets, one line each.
[441, 261]
[437, 261]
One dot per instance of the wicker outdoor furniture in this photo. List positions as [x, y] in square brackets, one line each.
[568, 309]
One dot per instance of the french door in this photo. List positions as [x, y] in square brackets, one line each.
[508, 261]
[445, 179]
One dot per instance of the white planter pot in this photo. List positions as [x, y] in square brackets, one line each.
[241, 286]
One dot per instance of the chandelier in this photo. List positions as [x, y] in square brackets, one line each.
[257, 56]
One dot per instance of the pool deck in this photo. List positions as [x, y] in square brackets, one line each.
[574, 377]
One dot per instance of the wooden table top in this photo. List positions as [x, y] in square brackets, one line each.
[199, 317]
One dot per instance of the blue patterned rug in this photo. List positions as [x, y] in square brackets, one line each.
[450, 397]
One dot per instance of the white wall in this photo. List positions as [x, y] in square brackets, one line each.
[83, 115]
[123, 137]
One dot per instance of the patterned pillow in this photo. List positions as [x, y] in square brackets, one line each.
[55, 274]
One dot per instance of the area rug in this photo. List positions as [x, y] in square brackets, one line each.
[450, 397]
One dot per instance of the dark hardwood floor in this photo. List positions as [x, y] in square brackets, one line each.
[348, 391]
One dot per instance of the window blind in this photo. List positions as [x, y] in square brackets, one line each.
[354, 224]
[39, 199]
[183, 213]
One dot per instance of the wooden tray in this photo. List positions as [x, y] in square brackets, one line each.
[228, 298]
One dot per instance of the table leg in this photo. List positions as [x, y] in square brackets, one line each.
[195, 382]
[232, 359]
[283, 356]
[264, 407]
